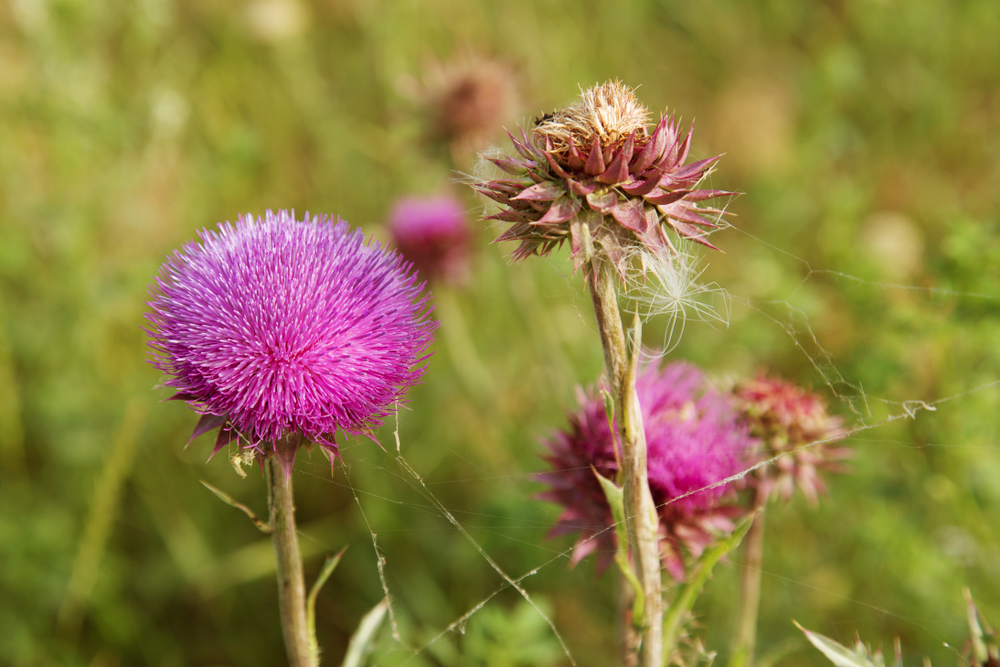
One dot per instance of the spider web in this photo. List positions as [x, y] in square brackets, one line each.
[784, 316]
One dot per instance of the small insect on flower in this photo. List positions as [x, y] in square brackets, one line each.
[543, 119]
[242, 457]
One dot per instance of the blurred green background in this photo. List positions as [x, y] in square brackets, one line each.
[863, 262]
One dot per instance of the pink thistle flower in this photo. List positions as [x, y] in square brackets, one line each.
[693, 442]
[596, 164]
[278, 330]
[431, 233]
[792, 424]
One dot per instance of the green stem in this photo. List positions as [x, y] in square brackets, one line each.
[628, 636]
[640, 512]
[753, 558]
[291, 583]
[104, 508]
[681, 607]
[461, 348]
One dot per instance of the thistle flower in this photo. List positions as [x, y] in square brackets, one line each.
[431, 234]
[791, 423]
[278, 330]
[466, 99]
[596, 163]
[693, 442]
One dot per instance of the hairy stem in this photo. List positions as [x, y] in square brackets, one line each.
[291, 584]
[628, 636]
[640, 512]
[753, 558]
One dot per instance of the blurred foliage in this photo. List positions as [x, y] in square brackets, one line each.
[865, 134]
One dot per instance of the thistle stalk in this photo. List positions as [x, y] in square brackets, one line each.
[595, 175]
[233, 318]
[793, 424]
[753, 559]
[640, 511]
[291, 584]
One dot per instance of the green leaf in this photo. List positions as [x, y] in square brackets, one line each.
[328, 567]
[840, 655]
[616, 499]
[360, 644]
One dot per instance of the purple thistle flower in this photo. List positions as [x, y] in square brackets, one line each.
[693, 442]
[431, 233]
[276, 327]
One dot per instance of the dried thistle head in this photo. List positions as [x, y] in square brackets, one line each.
[609, 113]
[465, 100]
[595, 175]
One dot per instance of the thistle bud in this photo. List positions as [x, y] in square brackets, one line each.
[792, 424]
[432, 234]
